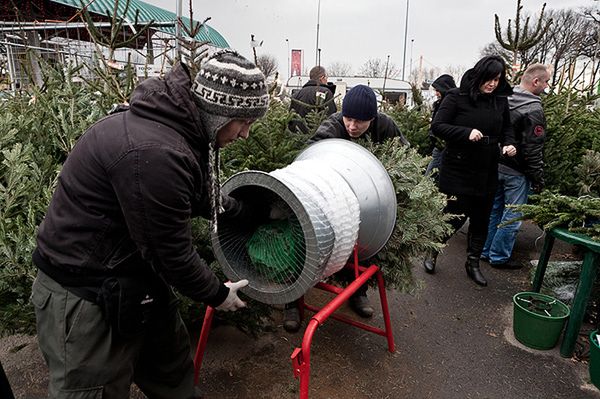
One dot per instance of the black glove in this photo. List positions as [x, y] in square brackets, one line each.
[232, 207]
[244, 211]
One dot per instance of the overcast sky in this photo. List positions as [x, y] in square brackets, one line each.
[445, 32]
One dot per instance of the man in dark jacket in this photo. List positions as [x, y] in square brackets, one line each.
[516, 175]
[315, 95]
[359, 117]
[117, 234]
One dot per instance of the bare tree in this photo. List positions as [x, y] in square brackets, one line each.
[495, 48]
[571, 40]
[267, 64]
[566, 40]
[339, 68]
[456, 71]
[375, 68]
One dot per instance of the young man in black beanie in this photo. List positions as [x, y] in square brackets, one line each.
[359, 117]
[117, 235]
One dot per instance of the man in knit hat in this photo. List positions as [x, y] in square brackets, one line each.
[359, 118]
[117, 236]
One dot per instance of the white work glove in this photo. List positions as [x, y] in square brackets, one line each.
[233, 302]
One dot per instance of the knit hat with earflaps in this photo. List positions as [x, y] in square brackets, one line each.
[227, 87]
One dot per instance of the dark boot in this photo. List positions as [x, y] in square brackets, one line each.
[474, 272]
[429, 262]
[474, 248]
[361, 306]
[291, 317]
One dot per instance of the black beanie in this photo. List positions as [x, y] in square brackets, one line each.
[360, 103]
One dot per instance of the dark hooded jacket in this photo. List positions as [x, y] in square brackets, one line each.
[471, 168]
[127, 192]
[312, 96]
[381, 128]
[529, 124]
[443, 84]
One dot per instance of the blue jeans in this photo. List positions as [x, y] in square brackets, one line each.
[512, 190]
[435, 163]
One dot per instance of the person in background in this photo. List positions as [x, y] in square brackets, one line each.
[359, 118]
[118, 233]
[517, 175]
[474, 121]
[441, 86]
[315, 95]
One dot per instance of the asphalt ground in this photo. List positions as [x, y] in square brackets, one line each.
[453, 340]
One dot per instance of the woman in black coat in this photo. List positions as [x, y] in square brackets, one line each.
[474, 121]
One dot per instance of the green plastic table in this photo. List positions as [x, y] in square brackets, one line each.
[589, 270]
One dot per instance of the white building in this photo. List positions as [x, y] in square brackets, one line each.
[392, 90]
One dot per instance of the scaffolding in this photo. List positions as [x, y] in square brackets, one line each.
[42, 32]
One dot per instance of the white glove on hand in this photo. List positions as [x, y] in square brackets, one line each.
[233, 302]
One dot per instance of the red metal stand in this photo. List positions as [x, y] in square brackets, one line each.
[301, 356]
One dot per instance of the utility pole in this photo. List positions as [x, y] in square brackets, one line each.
[318, 20]
[405, 37]
[387, 63]
[178, 9]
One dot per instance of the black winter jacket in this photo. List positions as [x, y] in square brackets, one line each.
[529, 124]
[471, 168]
[310, 97]
[128, 190]
[380, 129]
[443, 84]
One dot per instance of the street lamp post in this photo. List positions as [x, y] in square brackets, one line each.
[289, 72]
[405, 37]
[412, 42]
[318, 20]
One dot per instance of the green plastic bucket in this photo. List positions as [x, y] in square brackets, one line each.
[538, 319]
[594, 364]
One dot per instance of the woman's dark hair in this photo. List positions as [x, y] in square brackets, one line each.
[486, 69]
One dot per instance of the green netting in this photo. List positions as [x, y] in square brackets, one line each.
[274, 250]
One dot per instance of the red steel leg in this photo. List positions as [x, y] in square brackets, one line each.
[208, 317]
[301, 356]
[386, 312]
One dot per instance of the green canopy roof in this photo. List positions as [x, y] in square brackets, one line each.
[147, 12]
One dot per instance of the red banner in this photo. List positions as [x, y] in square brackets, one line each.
[296, 63]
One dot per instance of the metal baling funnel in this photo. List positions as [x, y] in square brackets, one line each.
[339, 195]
